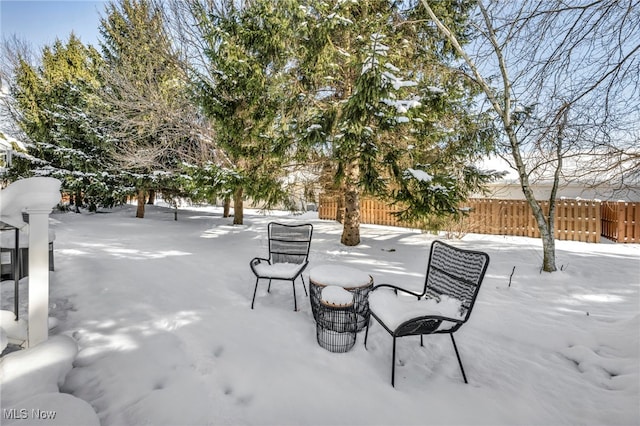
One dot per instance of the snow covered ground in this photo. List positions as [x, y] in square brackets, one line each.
[160, 310]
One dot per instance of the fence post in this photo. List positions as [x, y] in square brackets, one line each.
[598, 213]
[635, 217]
[621, 223]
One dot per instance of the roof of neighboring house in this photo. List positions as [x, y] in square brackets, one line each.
[584, 176]
[590, 169]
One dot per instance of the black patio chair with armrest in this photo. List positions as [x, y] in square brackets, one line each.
[288, 256]
[453, 279]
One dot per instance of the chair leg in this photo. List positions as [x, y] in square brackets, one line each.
[464, 376]
[366, 335]
[303, 286]
[393, 363]
[421, 341]
[269, 288]
[254, 293]
[295, 300]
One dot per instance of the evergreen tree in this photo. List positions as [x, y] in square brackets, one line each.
[54, 100]
[244, 92]
[382, 104]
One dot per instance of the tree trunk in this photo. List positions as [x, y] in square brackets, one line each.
[549, 239]
[141, 199]
[226, 206]
[78, 198]
[549, 252]
[238, 213]
[544, 222]
[351, 225]
[152, 196]
[340, 208]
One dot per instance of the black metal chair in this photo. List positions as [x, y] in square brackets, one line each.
[453, 275]
[288, 256]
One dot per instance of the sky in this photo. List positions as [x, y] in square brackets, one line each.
[41, 22]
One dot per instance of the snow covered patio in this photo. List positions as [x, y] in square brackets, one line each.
[161, 313]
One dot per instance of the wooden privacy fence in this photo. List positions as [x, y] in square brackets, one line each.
[621, 221]
[372, 211]
[576, 220]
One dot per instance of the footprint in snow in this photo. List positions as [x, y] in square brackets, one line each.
[218, 351]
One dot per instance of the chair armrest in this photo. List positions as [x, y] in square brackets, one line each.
[427, 324]
[396, 289]
[256, 261]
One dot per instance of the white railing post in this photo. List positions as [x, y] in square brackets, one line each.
[38, 328]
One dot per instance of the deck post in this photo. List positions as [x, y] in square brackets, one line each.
[38, 328]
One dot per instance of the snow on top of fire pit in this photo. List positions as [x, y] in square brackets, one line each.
[342, 276]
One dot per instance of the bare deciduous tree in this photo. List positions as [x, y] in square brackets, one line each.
[149, 113]
[562, 80]
[12, 50]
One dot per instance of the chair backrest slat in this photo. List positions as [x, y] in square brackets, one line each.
[289, 243]
[455, 272]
